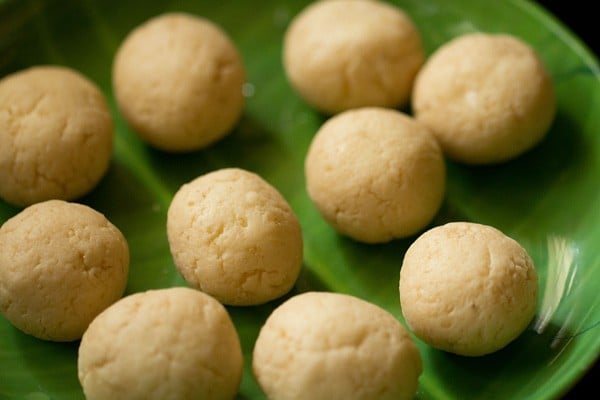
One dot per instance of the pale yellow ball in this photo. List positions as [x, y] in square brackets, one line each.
[467, 288]
[56, 135]
[178, 81]
[174, 343]
[375, 174]
[61, 264]
[342, 54]
[328, 346]
[234, 236]
[488, 98]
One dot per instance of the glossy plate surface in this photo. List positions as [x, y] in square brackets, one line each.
[548, 199]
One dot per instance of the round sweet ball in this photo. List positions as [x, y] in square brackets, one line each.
[174, 343]
[56, 132]
[321, 345]
[178, 80]
[375, 174]
[488, 98]
[61, 264]
[235, 237]
[467, 288]
[343, 54]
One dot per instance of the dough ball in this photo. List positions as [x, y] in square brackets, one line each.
[342, 54]
[61, 264]
[375, 174]
[56, 132]
[178, 81]
[320, 345]
[233, 236]
[174, 343]
[487, 97]
[467, 288]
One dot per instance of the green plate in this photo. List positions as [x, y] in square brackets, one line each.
[548, 199]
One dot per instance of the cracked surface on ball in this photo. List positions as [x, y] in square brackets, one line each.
[467, 288]
[56, 132]
[321, 345]
[375, 174]
[61, 264]
[174, 343]
[343, 54]
[234, 236]
[488, 98]
[178, 81]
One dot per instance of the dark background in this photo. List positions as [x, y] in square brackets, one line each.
[578, 17]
